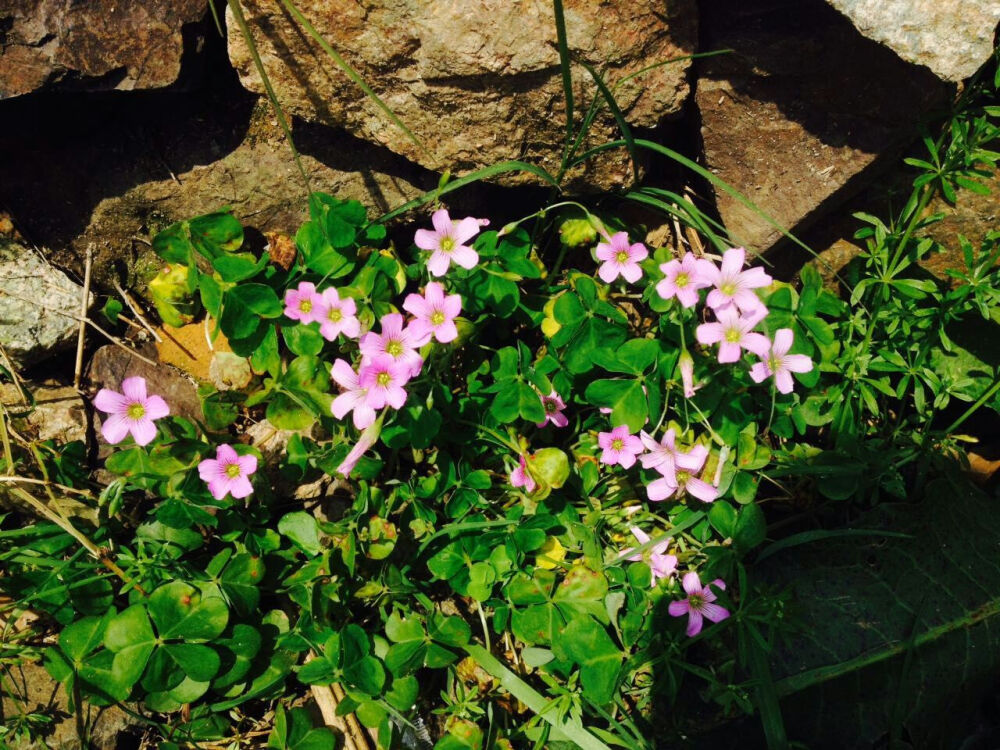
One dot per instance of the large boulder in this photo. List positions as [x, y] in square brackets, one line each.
[798, 115]
[951, 37]
[105, 44]
[476, 81]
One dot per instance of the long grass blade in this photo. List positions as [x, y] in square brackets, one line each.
[351, 73]
[766, 696]
[807, 537]
[533, 699]
[241, 21]
[480, 174]
[567, 79]
[618, 115]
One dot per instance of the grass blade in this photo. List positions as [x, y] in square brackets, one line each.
[618, 115]
[806, 537]
[766, 695]
[533, 699]
[479, 174]
[567, 80]
[241, 21]
[351, 72]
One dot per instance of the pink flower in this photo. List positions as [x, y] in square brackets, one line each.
[353, 398]
[398, 342]
[660, 564]
[686, 365]
[620, 258]
[619, 447]
[554, 406]
[383, 377]
[228, 473]
[732, 332]
[300, 303]
[335, 315]
[521, 478]
[684, 278]
[734, 286]
[130, 411]
[676, 470]
[780, 363]
[366, 441]
[699, 603]
[682, 482]
[447, 242]
[434, 314]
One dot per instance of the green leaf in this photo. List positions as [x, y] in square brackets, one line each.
[529, 405]
[404, 692]
[235, 268]
[303, 530]
[214, 233]
[130, 636]
[200, 663]
[625, 398]
[180, 611]
[549, 466]
[366, 674]
[588, 644]
[83, 636]
[303, 339]
[750, 529]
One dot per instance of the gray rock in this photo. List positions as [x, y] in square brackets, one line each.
[478, 81]
[951, 37]
[799, 115]
[38, 305]
[55, 413]
[104, 44]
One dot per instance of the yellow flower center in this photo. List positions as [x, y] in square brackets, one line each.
[305, 305]
[437, 318]
[335, 315]
[681, 280]
[383, 379]
[617, 444]
[233, 471]
[447, 245]
[773, 363]
[682, 476]
[728, 289]
[733, 336]
[696, 601]
[136, 411]
[622, 257]
[394, 347]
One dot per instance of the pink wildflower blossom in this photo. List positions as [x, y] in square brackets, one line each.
[554, 406]
[684, 278]
[666, 458]
[620, 258]
[447, 242]
[228, 473]
[383, 377]
[130, 411]
[780, 364]
[733, 285]
[521, 478]
[434, 314]
[300, 303]
[699, 603]
[733, 333]
[682, 482]
[353, 396]
[660, 564]
[398, 342]
[366, 441]
[335, 315]
[619, 447]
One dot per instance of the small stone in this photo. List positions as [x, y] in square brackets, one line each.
[229, 371]
[38, 306]
[55, 413]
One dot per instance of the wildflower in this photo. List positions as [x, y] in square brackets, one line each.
[682, 482]
[686, 365]
[520, 477]
[619, 447]
[684, 278]
[398, 342]
[383, 378]
[620, 258]
[699, 603]
[733, 285]
[660, 564]
[447, 242]
[366, 441]
[353, 398]
[228, 473]
[779, 363]
[130, 411]
[666, 458]
[434, 314]
[300, 303]
[554, 406]
[733, 333]
[335, 315]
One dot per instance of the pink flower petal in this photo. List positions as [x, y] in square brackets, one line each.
[465, 230]
[632, 272]
[709, 333]
[248, 464]
[226, 455]
[701, 490]
[240, 487]
[111, 402]
[344, 374]
[442, 222]
[134, 389]
[438, 263]
[759, 373]
[783, 381]
[115, 428]
[156, 407]
[208, 469]
[733, 260]
[465, 256]
[446, 332]
[678, 608]
[714, 612]
[143, 431]
[694, 623]
[426, 239]
[691, 583]
[797, 363]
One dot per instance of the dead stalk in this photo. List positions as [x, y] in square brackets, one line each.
[84, 305]
[135, 311]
